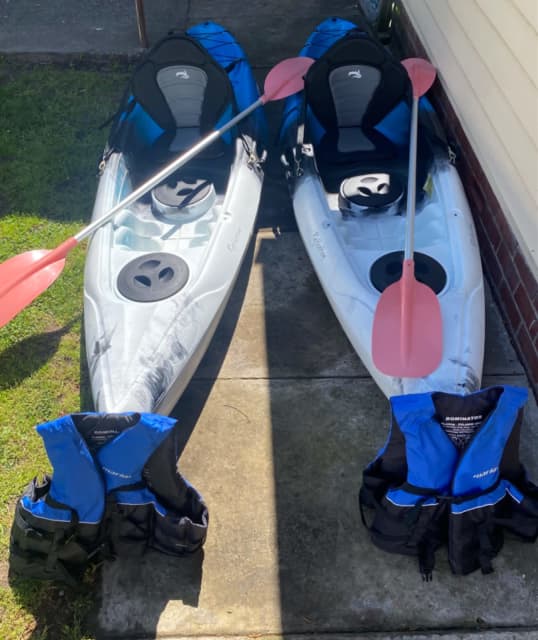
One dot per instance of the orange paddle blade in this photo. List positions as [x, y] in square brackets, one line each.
[407, 334]
[24, 277]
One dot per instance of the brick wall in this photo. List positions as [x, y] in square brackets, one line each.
[513, 284]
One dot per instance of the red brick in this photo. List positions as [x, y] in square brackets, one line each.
[526, 275]
[510, 308]
[528, 354]
[489, 259]
[491, 227]
[524, 303]
[475, 165]
[508, 266]
[489, 195]
[507, 234]
[474, 195]
[533, 332]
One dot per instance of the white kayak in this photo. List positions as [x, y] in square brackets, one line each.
[158, 276]
[352, 219]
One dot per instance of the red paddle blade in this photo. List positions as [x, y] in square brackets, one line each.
[407, 335]
[24, 277]
[286, 78]
[421, 73]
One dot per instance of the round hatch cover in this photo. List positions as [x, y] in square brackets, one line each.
[152, 277]
[388, 269]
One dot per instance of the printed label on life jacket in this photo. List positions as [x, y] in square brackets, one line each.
[98, 429]
[460, 429]
[100, 436]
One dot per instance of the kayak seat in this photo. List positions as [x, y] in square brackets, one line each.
[349, 90]
[178, 95]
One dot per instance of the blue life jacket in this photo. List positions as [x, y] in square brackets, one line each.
[115, 488]
[450, 474]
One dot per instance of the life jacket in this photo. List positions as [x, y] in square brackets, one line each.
[450, 474]
[115, 488]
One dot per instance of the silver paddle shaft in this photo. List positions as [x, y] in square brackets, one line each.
[166, 171]
[411, 183]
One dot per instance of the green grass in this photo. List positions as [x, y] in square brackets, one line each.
[50, 146]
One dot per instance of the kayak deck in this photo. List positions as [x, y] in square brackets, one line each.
[142, 352]
[343, 249]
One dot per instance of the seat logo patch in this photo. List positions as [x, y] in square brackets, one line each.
[355, 74]
[182, 74]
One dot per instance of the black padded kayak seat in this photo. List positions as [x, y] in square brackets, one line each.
[350, 89]
[180, 85]
[185, 92]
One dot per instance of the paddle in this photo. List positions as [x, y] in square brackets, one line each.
[407, 334]
[24, 277]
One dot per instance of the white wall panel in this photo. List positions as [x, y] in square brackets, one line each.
[486, 54]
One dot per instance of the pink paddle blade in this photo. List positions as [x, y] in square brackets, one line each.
[407, 334]
[27, 275]
[421, 73]
[286, 78]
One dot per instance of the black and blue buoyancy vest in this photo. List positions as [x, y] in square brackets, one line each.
[115, 488]
[450, 474]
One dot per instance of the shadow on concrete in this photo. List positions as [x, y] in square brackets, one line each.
[328, 420]
[190, 405]
[315, 430]
[56, 608]
[316, 448]
[171, 579]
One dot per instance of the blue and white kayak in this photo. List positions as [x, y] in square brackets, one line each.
[158, 276]
[345, 144]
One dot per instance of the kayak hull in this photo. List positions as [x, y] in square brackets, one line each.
[343, 249]
[142, 354]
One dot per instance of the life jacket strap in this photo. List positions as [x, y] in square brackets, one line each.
[426, 560]
[53, 553]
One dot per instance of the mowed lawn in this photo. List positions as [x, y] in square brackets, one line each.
[50, 146]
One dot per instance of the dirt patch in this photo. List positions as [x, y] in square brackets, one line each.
[4, 571]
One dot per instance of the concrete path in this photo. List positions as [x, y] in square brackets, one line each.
[286, 417]
[283, 431]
